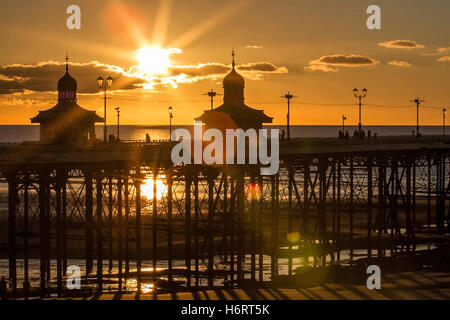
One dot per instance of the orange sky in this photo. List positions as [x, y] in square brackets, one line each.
[318, 51]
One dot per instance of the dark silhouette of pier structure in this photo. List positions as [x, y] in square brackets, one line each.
[332, 201]
[367, 198]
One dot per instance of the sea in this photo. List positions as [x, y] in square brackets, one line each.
[20, 133]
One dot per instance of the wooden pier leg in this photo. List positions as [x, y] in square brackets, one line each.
[440, 192]
[170, 226]
[226, 225]
[305, 218]
[381, 205]
[393, 204]
[126, 228]
[253, 227]
[429, 177]
[188, 228]
[414, 191]
[333, 213]
[26, 234]
[290, 188]
[369, 205]
[48, 234]
[352, 207]
[261, 228]
[64, 225]
[12, 242]
[196, 229]
[323, 166]
[210, 231]
[273, 240]
[43, 184]
[232, 225]
[138, 183]
[89, 223]
[59, 275]
[155, 225]
[99, 214]
[240, 214]
[119, 232]
[409, 231]
[110, 224]
[338, 208]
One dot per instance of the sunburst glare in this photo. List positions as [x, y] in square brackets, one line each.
[155, 60]
[147, 188]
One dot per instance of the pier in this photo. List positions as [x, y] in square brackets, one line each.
[114, 206]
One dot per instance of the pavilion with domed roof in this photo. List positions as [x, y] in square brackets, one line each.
[234, 113]
[67, 122]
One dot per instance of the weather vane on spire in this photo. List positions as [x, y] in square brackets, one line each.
[67, 62]
[233, 55]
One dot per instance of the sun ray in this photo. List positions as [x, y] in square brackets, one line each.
[208, 24]
[162, 23]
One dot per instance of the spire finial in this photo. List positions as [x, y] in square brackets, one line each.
[67, 62]
[233, 55]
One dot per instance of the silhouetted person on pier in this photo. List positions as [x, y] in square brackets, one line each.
[347, 136]
[369, 134]
[3, 289]
[283, 135]
[112, 138]
[147, 138]
[26, 288]
[413, 133]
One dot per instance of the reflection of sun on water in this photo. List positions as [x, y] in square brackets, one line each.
[147, 188]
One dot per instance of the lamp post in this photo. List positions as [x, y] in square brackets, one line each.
[288, 97]
[118, 123]
[360, 94]
[170, 122]
[444, 112]
[343, 123]
[105, 85]
[417, 101]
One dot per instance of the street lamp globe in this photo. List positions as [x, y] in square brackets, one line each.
[364, 92]
[109, 81]
[100, 82]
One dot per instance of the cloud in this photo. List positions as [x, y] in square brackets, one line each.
[253, 47]
[443, 50]
[444, 59]
[320, 67]
[396, 63]
[329, 62]
[401, 44]
[200, 70]
[43, 76]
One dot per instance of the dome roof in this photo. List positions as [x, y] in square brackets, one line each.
[67, 83]
[234, 78]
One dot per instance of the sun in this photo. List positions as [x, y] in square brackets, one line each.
[155, 60]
